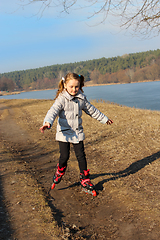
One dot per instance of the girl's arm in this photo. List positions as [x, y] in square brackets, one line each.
[52, 114]
[95, 113]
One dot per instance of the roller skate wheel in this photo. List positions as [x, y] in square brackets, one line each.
[94, 193]
[53, 186]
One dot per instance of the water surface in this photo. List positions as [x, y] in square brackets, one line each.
[145, 95]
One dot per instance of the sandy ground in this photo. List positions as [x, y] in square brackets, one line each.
[124, 164]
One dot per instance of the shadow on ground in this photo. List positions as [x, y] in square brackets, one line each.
[5, 227]
[133, 168]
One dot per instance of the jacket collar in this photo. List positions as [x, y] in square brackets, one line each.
[70, 97]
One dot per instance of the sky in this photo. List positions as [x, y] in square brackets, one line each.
[33, 38]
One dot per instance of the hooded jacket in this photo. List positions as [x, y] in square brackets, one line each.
[69, 108]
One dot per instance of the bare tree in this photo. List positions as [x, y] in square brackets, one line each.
[142, 16]
[130, 73]
[6, 84]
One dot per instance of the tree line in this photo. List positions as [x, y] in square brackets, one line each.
[128, 68]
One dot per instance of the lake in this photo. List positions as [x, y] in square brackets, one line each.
[144, 95]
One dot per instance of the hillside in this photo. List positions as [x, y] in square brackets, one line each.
[124, 162]
[128, 68]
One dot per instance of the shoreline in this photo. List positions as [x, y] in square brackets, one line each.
[103, 84]
[86, 85]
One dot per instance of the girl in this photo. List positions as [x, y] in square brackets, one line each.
[68, 106]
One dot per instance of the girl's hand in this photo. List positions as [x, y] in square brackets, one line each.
[44, 127]
[109, 121]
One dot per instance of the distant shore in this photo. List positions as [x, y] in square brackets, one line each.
[87, 84]
[103, 84]
[9, 93]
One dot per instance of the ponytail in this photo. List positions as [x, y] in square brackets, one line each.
[81, 82]
[60, 87]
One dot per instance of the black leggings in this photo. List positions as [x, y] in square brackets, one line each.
[79, 152]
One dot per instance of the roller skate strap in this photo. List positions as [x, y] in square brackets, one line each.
[86, 180]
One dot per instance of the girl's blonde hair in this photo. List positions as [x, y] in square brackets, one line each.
[68, 77]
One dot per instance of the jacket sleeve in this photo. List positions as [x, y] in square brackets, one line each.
[94, 112]
[53, 111]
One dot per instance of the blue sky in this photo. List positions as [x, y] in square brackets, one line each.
[31, 40]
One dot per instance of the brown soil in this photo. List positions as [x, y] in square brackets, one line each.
[123, 160]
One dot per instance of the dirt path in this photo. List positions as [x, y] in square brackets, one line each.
[29, 211]
[23, 201]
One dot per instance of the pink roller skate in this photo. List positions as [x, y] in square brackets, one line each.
[58, 176]
[86, 184]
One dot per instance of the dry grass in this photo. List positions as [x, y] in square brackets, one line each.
[125, 155]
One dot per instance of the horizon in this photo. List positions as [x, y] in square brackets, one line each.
[74, 62]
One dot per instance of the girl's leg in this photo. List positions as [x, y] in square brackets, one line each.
[64, 148]
[84, 173]
[61, 167]
[81, 156]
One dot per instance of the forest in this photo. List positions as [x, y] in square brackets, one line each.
[133, 67]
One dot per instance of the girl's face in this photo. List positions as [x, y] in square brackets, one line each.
[72, 86]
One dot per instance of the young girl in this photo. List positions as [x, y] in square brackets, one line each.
[68, 106]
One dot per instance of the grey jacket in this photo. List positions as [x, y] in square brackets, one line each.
[69, 111]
